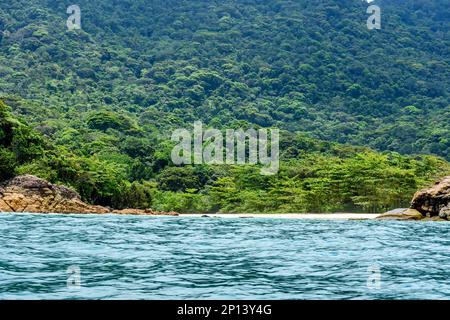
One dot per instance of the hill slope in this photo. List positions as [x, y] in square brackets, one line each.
[97, 105]
[299, 65]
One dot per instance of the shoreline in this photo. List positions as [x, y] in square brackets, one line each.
[299, 216]
[285, 216]
[30, 194]
[302, 216]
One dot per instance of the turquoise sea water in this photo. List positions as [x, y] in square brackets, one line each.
[130, 257]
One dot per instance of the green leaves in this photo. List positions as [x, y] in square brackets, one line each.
[107, 97]
[300, 67]
[104, 120]
[7, 163]
[368, 181]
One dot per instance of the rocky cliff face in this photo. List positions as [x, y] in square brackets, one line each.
[434, 201]
[34, 195]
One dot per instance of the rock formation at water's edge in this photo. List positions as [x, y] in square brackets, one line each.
[432, 203]
[34, 195]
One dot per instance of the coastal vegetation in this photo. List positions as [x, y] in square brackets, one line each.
[363, 113]
[315, 176]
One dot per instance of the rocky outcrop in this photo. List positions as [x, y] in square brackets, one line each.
[401, 214]
[34, 195]
[434, 201]
[31, 194]
[431, 204]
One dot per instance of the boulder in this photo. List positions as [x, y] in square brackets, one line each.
[433, 201]
[401, 214]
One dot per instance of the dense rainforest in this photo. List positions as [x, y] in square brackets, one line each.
[363, 113]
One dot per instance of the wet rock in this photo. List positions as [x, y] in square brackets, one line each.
[401, 214]
[434, 219]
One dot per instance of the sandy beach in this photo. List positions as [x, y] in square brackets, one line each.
[316, 216]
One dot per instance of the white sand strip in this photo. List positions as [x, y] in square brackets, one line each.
[318, 216]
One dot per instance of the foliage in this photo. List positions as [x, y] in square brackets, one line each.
[94, 108]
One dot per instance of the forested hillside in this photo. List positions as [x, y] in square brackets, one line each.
[99, 104]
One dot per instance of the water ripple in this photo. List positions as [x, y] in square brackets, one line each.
[129, 257]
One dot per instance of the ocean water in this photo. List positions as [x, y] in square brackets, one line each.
[132, 257]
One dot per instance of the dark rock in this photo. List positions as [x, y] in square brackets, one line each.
[432, 200]
[444, 213]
